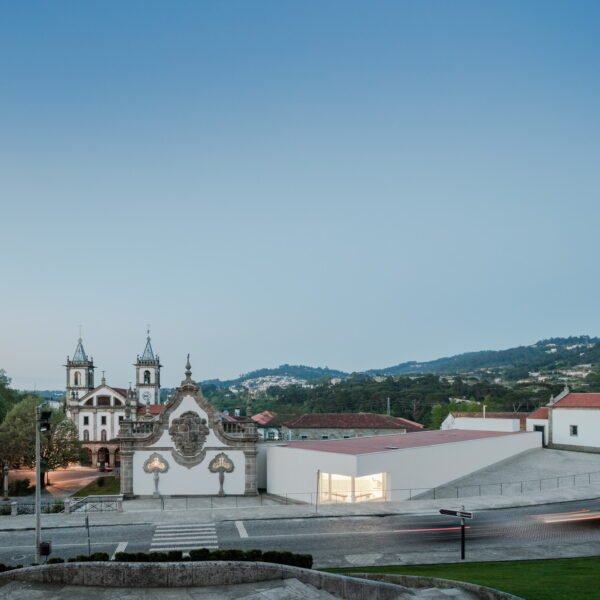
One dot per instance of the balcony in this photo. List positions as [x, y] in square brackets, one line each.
[136, 428]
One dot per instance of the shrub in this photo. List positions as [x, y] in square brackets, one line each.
[20, 487]
[200, 554]
[55, 561]
[254, 555]
[5, 509]
[96, 556]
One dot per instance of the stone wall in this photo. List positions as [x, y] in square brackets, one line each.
[210, 573]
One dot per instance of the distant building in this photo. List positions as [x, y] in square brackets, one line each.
[538, 421]
[485, 421]
[325, 426]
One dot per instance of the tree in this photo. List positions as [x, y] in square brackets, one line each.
[17, 438]
[8, 397]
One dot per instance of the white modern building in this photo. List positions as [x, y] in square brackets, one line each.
[485, 421]
[386, 467]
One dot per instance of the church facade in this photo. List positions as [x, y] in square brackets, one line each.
[183, 447]
[189, 450]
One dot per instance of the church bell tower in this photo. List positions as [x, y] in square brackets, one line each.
[80, 373]
[147, 376]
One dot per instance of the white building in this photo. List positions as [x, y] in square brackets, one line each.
[538, 421]
[570, 421]
[485, 421]
[387, 467]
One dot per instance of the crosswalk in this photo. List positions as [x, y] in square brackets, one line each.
[184, 537]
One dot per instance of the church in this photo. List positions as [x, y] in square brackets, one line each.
[182, 447]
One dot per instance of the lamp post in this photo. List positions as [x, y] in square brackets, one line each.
[5, 474]
[42, 423]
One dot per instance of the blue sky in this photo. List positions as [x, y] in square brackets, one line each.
[351, 184]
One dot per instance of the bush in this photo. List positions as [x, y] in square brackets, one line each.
[95, 556]
[55, 561]
[200, 554]
[20, 487]
[5, 509]
[288, 558]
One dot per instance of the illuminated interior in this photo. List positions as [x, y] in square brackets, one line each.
[335, 488]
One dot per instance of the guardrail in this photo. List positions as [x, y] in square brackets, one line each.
[112, 503]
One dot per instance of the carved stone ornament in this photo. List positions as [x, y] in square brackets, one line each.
[189, 433]
[155, 463]
[221, 464]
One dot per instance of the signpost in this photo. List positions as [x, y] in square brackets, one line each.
[462, 515]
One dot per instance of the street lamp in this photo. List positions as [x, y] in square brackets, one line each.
[5, 474]
[42, 424]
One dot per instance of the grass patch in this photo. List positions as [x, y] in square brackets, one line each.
[103, 486]
[553, 579]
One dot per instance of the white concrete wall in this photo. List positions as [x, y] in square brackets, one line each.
[587, 421]
[432, 466]
[531, 423]
[292, 472]
[481, 424]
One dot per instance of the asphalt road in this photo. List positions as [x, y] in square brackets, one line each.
[540, 531]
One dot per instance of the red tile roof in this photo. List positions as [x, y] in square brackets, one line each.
[155, 409]
[121, 391]
[540, 413]
[579, 401]
[384, 443]
[351, 421]
[265, 417]
[495, 415]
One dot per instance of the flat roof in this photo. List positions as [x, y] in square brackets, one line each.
[384, 443]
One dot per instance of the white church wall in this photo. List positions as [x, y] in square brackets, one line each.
[197, 480]
[188, 404]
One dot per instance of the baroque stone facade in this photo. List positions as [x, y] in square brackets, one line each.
[190, 431]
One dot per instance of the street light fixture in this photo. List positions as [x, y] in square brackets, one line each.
[42, 423]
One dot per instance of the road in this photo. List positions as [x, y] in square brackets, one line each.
[537, 532]
[63, 482]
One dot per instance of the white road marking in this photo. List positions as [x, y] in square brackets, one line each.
[241, 529]
[120, 548]
[184, 537]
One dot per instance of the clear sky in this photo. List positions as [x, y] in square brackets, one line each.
[350, 184]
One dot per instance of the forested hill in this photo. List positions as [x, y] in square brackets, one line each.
[513, 362]
[297, 371]
[545, 354]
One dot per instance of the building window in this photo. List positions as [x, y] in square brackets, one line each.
[146, 376]
[86, 420]
[573, 430]
[103, 420]
[103, 435]
[346, 437]
[86, 435]
[121, 419]
[303, 437]
[324, 437]
[76, 378]
[272, 435]
[103, 401]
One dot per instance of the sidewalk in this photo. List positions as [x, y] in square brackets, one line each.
[145, 511]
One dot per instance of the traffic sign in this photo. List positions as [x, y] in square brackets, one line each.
[461, 514]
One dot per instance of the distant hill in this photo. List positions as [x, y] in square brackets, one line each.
[545, 354]
[297, 371]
